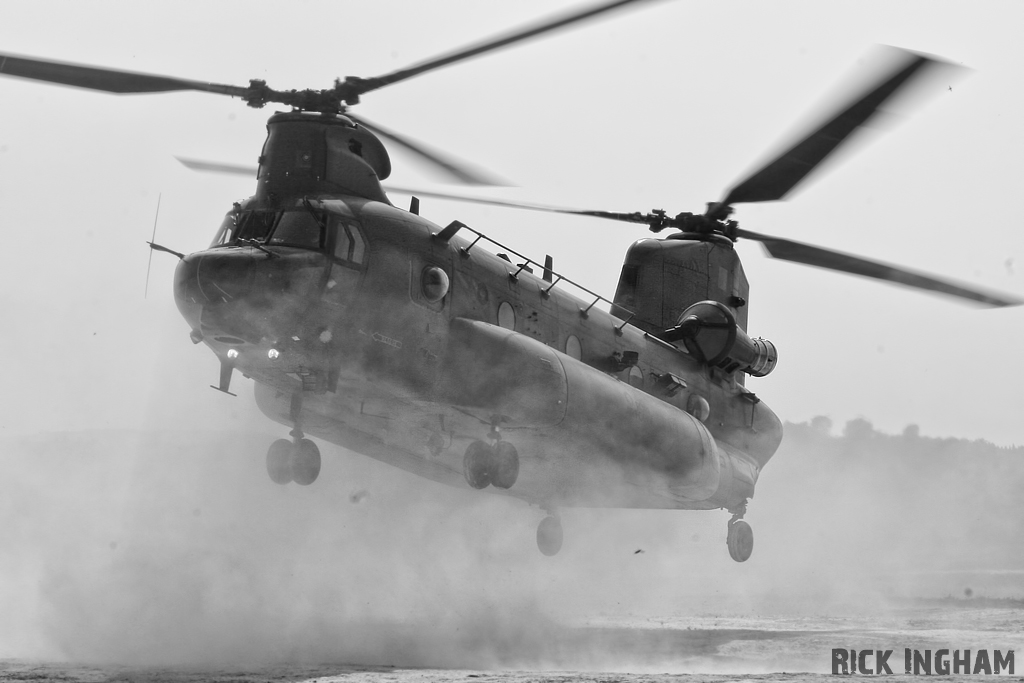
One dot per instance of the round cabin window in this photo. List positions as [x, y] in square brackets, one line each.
[698, 407]
[506, 316]
[435, 284]
[573, 348]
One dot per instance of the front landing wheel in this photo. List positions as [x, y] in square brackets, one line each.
[740, 541]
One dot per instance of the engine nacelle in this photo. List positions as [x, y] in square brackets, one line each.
[709, 332]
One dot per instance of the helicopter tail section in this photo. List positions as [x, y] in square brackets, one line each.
[662, 278]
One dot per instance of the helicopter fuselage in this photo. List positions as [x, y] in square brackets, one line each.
[375, 329]
[364, 325]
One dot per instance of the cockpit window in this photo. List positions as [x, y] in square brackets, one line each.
[299, 229]
[285, 228]
[226, 231]
[255, 225]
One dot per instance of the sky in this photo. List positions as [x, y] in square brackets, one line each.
[662, 106]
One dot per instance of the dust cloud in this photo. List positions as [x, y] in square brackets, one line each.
[175, 548]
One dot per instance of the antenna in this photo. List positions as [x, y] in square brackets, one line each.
[151, 240]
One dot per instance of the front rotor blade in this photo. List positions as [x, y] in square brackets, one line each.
[798, 252]
[217, 167]
[106, 80]
[368, 84]
[460, 171]
[782, 174]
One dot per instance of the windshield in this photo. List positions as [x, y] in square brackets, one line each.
[299, 228]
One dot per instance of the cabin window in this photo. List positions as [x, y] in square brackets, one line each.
[435, 283]
[429, 283]
[573, 348]
[349, 244]
[349, 255]
[635, 377]
[698, 407]
[506, 316]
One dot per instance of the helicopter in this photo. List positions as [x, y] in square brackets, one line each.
[370, 327]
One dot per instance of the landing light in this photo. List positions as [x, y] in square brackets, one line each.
[273, 354]
[232, 354]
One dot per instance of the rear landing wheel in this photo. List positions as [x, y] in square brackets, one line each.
[740, 540]
[549, 535]
[279, 461]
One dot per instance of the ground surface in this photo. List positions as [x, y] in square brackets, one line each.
[709, 648]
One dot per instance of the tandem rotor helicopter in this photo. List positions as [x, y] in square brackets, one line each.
[372, 328]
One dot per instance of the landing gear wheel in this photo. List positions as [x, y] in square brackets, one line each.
[740, 541]
[506, 465]
[305, 462]
[478, 465]
[549, 535]
[279, 461]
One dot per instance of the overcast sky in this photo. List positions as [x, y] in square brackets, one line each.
[663, 106]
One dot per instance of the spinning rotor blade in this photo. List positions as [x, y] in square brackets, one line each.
[217, 167]
[775, 179]
[107, 80]
[460, 171]
[330, 100]
[257, 94]
[611, 215]
[368, 84]
[783, 249]
[798, 252]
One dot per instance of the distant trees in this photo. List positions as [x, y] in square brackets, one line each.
[858, 429]
[821, 424]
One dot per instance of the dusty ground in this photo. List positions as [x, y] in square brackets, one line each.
[168, 557]
[709, 648]
[22, 671]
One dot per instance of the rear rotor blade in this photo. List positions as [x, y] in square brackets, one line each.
[368, 84]
[635, 217]
[106, 80]
[775, 179]
[449, 166]
[798, 252]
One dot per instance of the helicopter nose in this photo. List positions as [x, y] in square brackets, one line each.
[186, 282]
[246, 294]
[224, 276]
[213, 278]
[210, 280]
